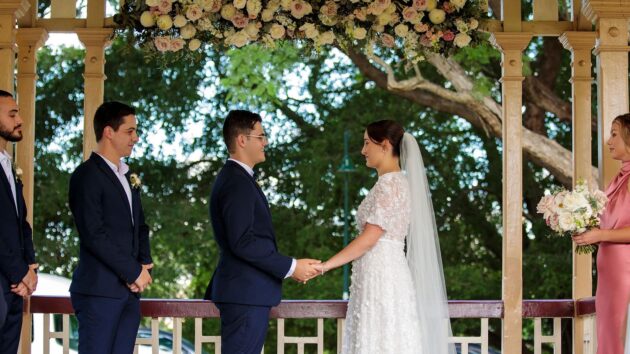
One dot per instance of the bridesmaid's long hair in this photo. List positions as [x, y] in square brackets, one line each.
[389, 130]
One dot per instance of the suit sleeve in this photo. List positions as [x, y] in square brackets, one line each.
[238, 204]
[88, 216]
[144, 252]
[12, 265]
[29, 249]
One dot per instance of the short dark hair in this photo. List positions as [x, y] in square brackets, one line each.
[386, 129]
[238, 122]
[5, 94]
[110, 114]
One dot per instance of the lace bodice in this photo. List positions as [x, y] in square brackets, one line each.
[387, 205]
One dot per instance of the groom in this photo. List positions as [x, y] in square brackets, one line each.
[248, 278]
[114, 253]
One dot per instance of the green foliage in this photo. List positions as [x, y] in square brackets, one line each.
[307, 102]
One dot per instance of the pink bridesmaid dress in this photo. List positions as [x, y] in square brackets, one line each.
[613, 269]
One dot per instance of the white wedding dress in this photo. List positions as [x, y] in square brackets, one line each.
[382, 312]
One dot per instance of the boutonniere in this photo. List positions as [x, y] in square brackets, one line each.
[135, 181]
[18, 174]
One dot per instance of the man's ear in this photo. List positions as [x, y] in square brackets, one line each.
[240, 140]
[108, 132]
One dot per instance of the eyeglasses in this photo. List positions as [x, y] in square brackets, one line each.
[262, 137]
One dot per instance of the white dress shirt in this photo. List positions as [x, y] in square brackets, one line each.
[120, 173]
[251, 173]
[5, 161]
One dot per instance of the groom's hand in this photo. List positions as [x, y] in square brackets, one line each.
[143, 280]
[305, 270]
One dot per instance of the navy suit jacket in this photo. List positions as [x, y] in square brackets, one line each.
[16, 236]
[112, 249]
[250, 269]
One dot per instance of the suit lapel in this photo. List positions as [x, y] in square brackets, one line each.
[260, 192]
[110, 174]
[7, 188]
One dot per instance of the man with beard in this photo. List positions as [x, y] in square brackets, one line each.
[18, 278]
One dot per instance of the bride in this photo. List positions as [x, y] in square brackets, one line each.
[397, 302]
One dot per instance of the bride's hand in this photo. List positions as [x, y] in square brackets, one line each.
[321, 268]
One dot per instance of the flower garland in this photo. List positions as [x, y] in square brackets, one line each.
[415, 26]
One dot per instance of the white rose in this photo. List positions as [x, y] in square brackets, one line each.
[188, 31]
[462, 40]
[327, 38]
[164, 22]
[461, 25]
[180, 21]
[473, 24]
[458, 4]
[300, 8]
[286, 4]
[252, 30]
[267, 15]
[575, 201]
[359, 33]
[194, 45]
[240, 4]
[565, 221]
[277, 31]
[147, 19]
[310, 31]
[253, 8]
[153, 3]
[401, 30]
[437, 16]
[228, 11]
[239, 39]
[206, 5]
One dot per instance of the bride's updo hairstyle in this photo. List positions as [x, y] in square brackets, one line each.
[389, 130]
[624, 122]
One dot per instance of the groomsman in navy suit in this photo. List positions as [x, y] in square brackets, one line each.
[248, 279]
[114, 252]
[18, 277]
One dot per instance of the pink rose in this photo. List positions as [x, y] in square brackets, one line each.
[419, 4]
[448, 36]
[448, 7]
[421, 27]
[165, 6]
[409, 14]
[162, 44]
[361, 14]
[329, 9]
[177, 44]
[240, 21]
[388, 40]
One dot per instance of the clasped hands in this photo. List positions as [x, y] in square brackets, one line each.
[307, 269]
[28, 285]
[144, 279]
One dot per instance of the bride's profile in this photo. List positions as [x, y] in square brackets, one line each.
[398, 300]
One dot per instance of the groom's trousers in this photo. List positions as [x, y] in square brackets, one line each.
[10, 331]
[107, 325]
[243, 328]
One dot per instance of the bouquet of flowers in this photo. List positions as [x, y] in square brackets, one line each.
[573, 212]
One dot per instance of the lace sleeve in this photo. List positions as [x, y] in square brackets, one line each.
[384, 204]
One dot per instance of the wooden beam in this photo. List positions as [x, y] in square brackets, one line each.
[546, 10]
[536, 28]
[63, 9]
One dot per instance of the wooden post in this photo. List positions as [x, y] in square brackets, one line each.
[10, 11]
[95, 41]
[581, 44]
[512, 45]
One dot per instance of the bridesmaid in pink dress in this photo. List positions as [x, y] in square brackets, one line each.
[613, 258]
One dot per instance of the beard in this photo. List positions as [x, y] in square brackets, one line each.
[12, 136]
